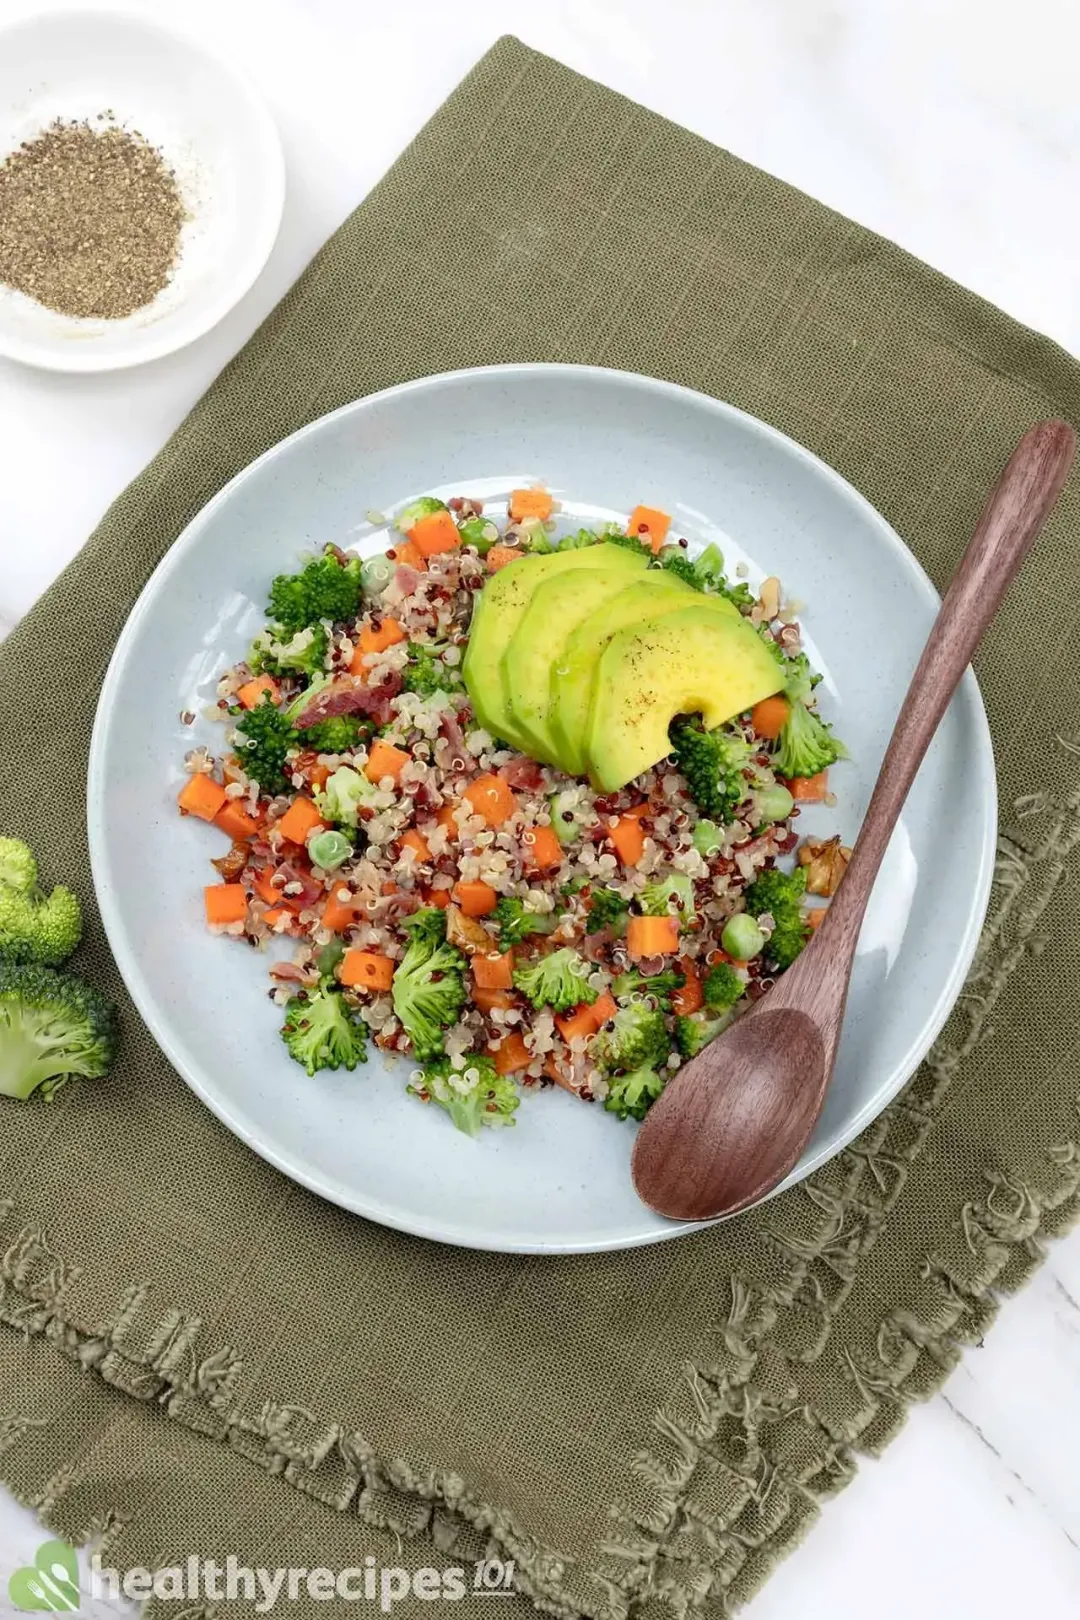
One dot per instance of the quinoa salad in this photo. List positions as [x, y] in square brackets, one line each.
[421, 868]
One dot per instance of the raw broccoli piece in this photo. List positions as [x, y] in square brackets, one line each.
[722, 987]
[52, 1027]
[559, 980]
[324, 589]
[707, 838]
[583, 538]
[739, 595]
[632, 1095]
[18, 867]
[516, 923]
[536, 540]
[275, 652]
[428, 988]
[658, 985]
[34, 927]
[268, 735]
[807, 744]
[346, 793]
[426, 673]
[607, 909]
[779, 894]
[694, 1031]
[322, 1031]
[712, 763]
[665, 895]
[636, 1038]
[425, 506]
[675, 561]
[474, 1095]
[338, 735]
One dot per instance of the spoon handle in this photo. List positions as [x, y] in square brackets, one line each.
[1011, 519]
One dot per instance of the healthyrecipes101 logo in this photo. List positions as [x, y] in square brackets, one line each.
[52, 1582]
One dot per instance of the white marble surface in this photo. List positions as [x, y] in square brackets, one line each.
[953, 127]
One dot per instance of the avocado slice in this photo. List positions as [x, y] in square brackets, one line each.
[572, 675]
[690, 662]
[557, 606]
[497, 614]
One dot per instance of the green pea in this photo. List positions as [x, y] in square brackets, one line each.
[480, 533]
[774, 803]
[328, 849]
[742, 938]
[376, 573]
[707, 838]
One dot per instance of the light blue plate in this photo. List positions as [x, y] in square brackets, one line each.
[602, 441]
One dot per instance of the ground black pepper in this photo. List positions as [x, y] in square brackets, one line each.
[90, 220]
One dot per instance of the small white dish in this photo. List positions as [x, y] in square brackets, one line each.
[213, 129]
[601, 441]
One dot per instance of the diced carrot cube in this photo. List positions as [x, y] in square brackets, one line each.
[385, 760]
[366, 969]
[489, 797]
[225, 903]
[603, 1008]
[300, 820]
[375, 639]
[234, 820]
[578, 1022]
[338, 915]
[494, 972]
[409, 554]
[499, 556]
[487, 1000]
[690, 998]
[274, 915]
[252, 692]
[435, 533]
[650, 523]
[627, 839]
[201, 796]
[809, 789]
[531, 503]
[651, 936]
[542, 848]
[475, 899]
[510, 1054]
[437, 897]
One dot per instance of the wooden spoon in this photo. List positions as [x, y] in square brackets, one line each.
[733, 1122]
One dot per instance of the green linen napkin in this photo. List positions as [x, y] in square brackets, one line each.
[201, 1357]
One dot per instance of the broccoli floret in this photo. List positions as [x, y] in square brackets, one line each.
[426, 506]
[779, 894]
[693, 1031]
[660, 986]
[707, 838]
[632, 1095]
[637, 1038]
[338, 735]
[274, 651]
[709, 569]
[428, 988]
[346, 793]
[584, 538]
[559, 980]
[807, 745]
[474, 1095]
[34, 927]
[52, 1027]
[675, 561]
[426, 673]
[722, 987]
[673, 893]
[479, 532]
[322, 1031]
[712, 763]
[324, 589]
[607, 909]
[516, 923]
[267, 735]
[536, 540]
[18, 867]
[739, 595]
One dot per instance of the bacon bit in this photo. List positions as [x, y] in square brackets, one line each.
[520, 772]
[451, 734]
[288, 972]
[648, 965]
[348, 695]
[825, 862]
[231, 865]
[406, 578]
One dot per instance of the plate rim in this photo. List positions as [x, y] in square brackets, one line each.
[300, 1171]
